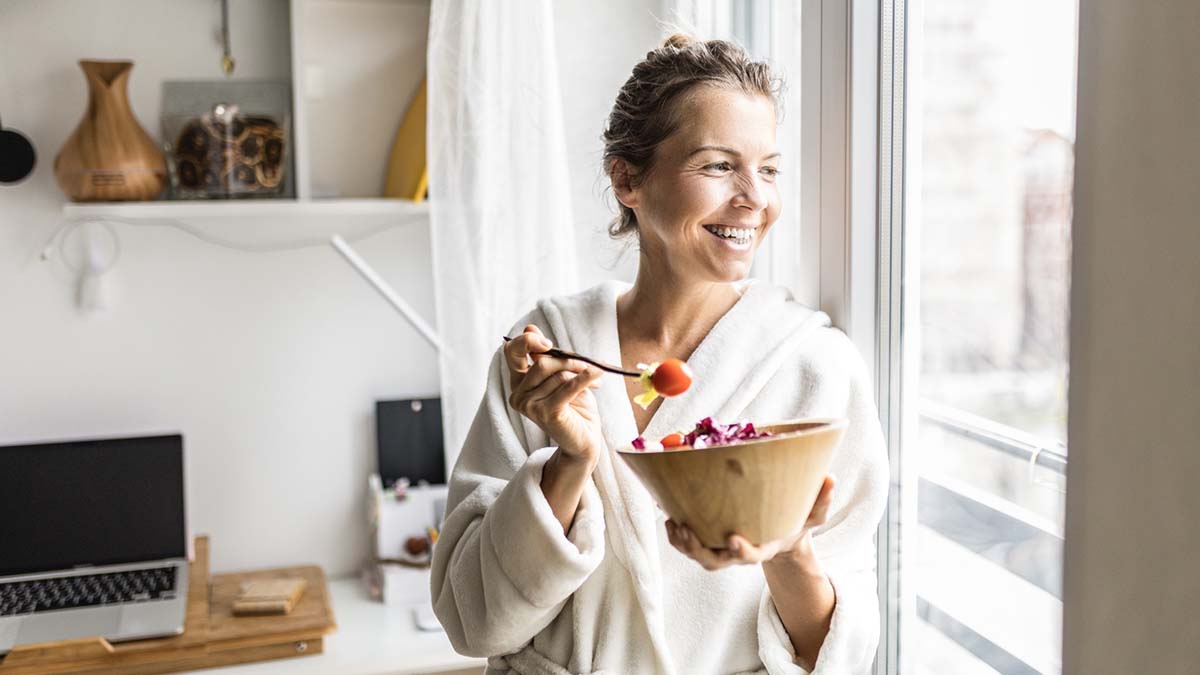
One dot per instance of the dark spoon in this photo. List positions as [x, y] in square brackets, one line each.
[563, 354]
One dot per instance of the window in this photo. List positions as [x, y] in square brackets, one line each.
[931, 220]
[978, 235]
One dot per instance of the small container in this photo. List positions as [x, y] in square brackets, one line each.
[227, 140]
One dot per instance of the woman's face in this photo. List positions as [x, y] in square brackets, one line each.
[711, 194]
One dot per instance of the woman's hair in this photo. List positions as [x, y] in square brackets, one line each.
[646, 112]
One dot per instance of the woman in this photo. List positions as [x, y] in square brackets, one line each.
[553, 558]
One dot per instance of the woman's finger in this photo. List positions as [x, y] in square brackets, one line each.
[565, 393]
[820, 510]
[694, 549]
[742, 551]
[538, 375]
[675, 537]
[554, 382]
[518, 349]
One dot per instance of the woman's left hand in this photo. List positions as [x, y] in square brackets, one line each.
[739, 550]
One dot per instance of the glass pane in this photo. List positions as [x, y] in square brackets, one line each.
[991, 114]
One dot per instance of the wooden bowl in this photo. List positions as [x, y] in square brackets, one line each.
[761, 489]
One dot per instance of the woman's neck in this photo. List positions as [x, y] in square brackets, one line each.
[672, 312]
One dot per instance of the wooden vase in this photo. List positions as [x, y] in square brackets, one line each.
[109, 156]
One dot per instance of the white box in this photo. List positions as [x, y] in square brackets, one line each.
[398, 585]
[393, 522]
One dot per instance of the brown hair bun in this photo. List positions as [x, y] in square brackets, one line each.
[679, 41]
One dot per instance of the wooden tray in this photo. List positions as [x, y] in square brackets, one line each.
[212, 636]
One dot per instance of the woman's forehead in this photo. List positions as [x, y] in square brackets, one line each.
[733, 120]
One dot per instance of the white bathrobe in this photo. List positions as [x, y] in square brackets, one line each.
[613, 596]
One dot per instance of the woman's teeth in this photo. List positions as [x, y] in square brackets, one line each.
[739, 235]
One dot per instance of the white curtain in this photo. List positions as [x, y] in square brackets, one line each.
[500, 211]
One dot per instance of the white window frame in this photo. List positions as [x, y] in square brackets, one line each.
[890, 36]
[852, 219]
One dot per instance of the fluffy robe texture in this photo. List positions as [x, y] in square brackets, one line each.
[612, 596]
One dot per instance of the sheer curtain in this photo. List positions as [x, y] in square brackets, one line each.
[500, 211]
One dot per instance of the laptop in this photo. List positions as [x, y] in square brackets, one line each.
[93, 540]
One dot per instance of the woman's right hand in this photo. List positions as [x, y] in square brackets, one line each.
[556, 394]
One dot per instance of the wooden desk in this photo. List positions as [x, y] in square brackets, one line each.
[211, 637]
[371, 639]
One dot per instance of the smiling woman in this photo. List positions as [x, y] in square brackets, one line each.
[703, 199]
[698, 159]
[553, 557]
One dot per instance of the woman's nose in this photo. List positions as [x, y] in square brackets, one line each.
[751, 194]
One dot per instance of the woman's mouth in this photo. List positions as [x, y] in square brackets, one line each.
[738, 238]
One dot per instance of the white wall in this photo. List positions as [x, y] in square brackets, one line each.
[268, 363]
[1133, 507]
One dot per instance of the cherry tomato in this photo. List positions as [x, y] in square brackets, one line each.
[672, 440]
[672, 377]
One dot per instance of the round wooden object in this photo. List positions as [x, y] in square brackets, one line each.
[109, 156]
[762, 489]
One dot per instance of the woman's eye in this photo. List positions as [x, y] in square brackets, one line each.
[770, 171]
[719, 166]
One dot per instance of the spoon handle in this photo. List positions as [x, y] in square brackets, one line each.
[563, 354]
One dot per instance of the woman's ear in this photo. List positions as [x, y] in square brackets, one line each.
[622, 177]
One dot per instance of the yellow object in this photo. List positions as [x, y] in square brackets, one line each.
[408, 175]
[649, 393]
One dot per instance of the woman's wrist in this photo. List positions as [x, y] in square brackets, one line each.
[804, 598]
[564, 476]
[579, 453]
[797, 559]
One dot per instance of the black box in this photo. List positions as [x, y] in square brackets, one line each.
[409, 441]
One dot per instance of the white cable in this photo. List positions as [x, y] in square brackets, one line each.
[312, 242]
[59, 236]
[92, 293]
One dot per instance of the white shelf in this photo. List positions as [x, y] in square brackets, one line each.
[246, 208]
[259, 222]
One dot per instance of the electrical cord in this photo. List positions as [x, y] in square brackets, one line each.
[60, 235]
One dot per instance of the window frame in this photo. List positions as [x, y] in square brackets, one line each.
[851, 231]
[896, 599]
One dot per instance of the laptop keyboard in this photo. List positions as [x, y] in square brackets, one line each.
[43, 595]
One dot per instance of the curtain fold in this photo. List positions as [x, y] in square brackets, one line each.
[500, 211]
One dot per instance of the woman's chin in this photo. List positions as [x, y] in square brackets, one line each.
[730, 271]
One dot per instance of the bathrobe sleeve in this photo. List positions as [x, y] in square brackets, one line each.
[844, 545]
[502, 569]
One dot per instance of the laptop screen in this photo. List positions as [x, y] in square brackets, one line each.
[91, 502]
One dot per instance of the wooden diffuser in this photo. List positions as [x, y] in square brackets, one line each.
[109, 156]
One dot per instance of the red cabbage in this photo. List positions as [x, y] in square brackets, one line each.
[708, 433]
